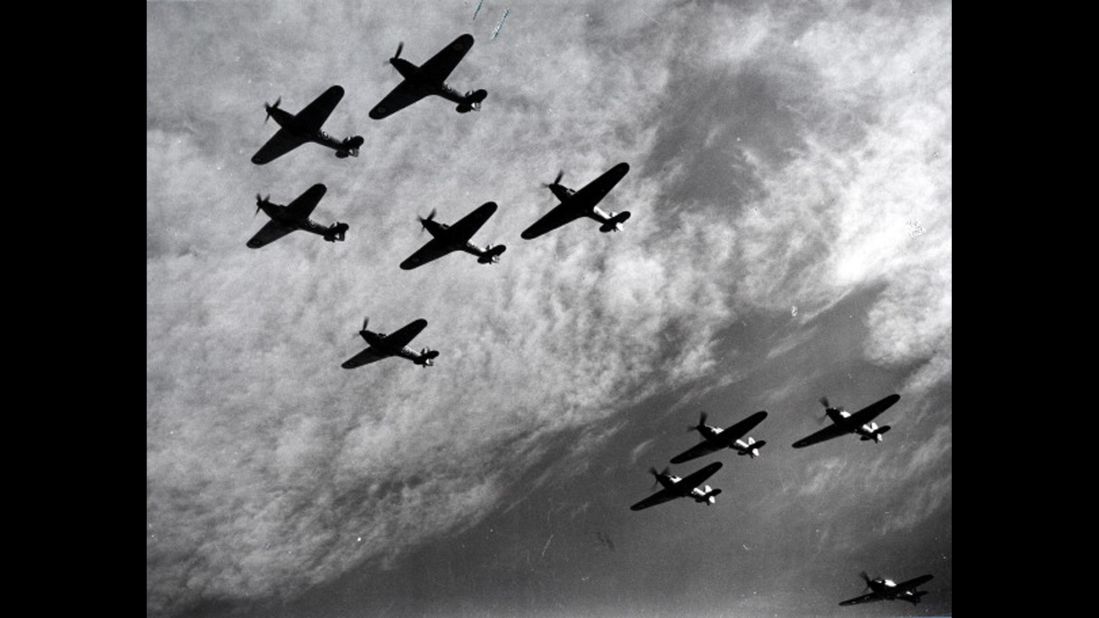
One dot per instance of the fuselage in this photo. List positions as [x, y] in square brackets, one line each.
[290, 122]
[279, 213]
[439, 231]
[415, 78]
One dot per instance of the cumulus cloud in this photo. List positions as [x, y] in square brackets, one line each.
[777, 160]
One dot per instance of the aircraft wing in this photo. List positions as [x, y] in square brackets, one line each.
[405, 335]
[702, 448]
[301, 207]
[914, 583]
[433, 250]
[869, 596]
[367, 356]
[738, 430]
[579, 203]
[281, 143]
[659, 497]
[834, 430]
[313, 116]
[269, 233]
[405, 94]
[440, 65]
[868, 413]
[695, 479]
[560, 215]
[468, 225]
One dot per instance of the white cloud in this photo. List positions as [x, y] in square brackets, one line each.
[267, 462]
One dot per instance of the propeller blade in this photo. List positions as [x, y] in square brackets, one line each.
[824, 402]
[560, 175]
[400, 46]
[366, 321]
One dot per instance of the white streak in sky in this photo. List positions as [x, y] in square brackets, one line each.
[501, 24]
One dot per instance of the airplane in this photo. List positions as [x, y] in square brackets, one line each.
[582, 203]
[429, 79]
[295, 216]
[448, 238]
[383, 346]
[305, 126]
[716, 438]
[888, 590]
[843, 422]
[687, 487]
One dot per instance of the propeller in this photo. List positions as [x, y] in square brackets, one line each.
[824, 402]
[560, 175]
[260, 201]
[701, 422]
[423, 220]
[268, 109]
[657, 474]
[366, 320]
[865, 578]
[400, 46]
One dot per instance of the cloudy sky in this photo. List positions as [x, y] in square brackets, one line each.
[790, 187]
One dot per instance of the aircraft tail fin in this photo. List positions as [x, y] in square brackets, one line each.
[471, 101]
[614, 223]
[491, 254]
[336, 232]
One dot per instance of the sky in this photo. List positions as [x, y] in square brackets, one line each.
[790, 190]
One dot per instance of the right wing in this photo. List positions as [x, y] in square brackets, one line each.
[870, 596]
[433, 250]
[367, 356]
[405, 94]
[269, 233]
[301, 207]
[834, 430]
[560, 215]
[702, 448]
[440, 65]
[405, 335]
[659, 497]
[280, 144]
[313, 116]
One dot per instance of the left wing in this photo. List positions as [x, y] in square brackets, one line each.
[406, 93]
[367, 356]
[301, 207]
[468, 225]
[913, 583]
[868, 413]
[433, 250]
[313, 116]
[834, 430]
[870, 596]
[596, 190]
[281, 143]
[440, 65]
[269, 233]
[405, 335]
[695, 479]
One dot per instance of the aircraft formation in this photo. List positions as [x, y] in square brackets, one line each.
[429, 79]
